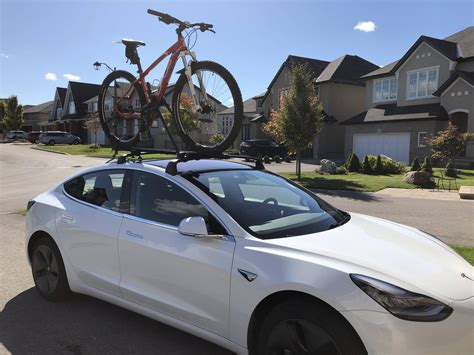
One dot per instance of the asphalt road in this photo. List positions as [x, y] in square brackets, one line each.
[83, 325]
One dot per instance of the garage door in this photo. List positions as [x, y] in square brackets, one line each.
[394, 145]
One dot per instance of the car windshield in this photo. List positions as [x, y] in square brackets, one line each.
[268, 206]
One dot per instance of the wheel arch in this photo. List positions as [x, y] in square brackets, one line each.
[35, 237]
[276, 298]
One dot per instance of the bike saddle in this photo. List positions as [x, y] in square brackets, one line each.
[131, 42]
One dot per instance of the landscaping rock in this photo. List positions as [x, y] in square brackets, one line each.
[421, 178]
[328, 166]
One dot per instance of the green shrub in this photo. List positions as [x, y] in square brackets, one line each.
[341, 170]
[232, 151]
[348, 160]
[277, 159]
[392, 167]
[267, 159]
[288, 159]
[378, 167]
[427, 166]
[415, 165]
[450, 170]
[354, 164]
[367, 166]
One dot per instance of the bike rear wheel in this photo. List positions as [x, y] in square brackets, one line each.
[121, 99]
[216, 127]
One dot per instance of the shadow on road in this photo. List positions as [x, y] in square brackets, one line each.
[84, 325]
[351, 195]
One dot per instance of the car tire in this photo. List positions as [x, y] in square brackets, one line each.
[49, 273]
[75, 142]
[302, 326]
[51, 142]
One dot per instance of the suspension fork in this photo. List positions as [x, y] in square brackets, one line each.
[188, 73]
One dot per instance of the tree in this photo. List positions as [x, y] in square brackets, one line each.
[415, 165]
[427, 166]
[299, 118]
[189, 118]
[94, 126]
[366, 167]
[216, 138]
[13, 114]
[2, 116]
[378, 167]
[272, 128]
[448, 144]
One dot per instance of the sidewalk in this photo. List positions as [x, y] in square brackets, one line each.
[424, 194]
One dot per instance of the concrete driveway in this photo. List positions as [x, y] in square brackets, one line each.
[82, 325]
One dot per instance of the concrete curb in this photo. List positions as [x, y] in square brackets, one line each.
[49, 151]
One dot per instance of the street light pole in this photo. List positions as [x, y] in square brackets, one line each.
[97, 66]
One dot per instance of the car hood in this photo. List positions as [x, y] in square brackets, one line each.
[402, 252]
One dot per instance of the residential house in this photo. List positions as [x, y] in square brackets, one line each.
[251, 125]
[411, 99]
[33, 116]
[70, 110]
[340, 90]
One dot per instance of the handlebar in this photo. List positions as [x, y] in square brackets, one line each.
[168, 19]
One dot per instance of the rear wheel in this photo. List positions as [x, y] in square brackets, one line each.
[51, 142]
[75, 142]
[121, 99]
[216, 126]
[48, 270]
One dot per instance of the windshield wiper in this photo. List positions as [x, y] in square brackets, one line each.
[344, 220]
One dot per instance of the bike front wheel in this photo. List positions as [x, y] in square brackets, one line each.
[121, 99]
[215, 124]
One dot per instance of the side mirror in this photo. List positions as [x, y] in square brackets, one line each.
[196, 227]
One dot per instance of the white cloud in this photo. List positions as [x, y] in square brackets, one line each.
[72, 77]
[365, 26]
[4, 55]
[51, 76]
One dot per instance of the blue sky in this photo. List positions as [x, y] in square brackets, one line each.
[253, 37]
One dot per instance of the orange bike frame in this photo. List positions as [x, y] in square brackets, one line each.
[174, 51]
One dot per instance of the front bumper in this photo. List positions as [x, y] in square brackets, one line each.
[383, 333]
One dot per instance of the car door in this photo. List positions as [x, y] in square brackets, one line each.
[180, 276]
[88, 226]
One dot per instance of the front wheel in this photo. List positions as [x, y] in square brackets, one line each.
[215, 126]
[121, 99]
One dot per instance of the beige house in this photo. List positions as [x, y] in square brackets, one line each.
[33, 116]
[340, 90]
[414, 97]
[251, 125]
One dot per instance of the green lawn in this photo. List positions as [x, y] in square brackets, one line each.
[84, 149]
[466, 252]
[367, 183]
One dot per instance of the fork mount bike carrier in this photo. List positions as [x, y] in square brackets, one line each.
[182, 156]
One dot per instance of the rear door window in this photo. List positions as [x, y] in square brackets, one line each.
[102, 188]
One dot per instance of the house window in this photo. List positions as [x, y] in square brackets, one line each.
[422, 83]
[72, 107]
[259, 103]
[108, 105]
[245, 132]
[385, 90]
[59, 112]
[95, 106]
[282, 93]
[227, 123]
[422, 136]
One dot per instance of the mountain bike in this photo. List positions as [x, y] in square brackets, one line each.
[129, 105]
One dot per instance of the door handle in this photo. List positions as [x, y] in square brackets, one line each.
[67, 217]
[134, 235]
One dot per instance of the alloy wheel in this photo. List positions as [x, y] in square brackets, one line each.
[45, 269]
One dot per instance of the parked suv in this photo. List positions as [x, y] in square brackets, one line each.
[261, 147]
[56, 137]
[33, 136]
[16, 135]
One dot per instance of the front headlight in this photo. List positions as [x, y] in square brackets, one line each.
[402, 303]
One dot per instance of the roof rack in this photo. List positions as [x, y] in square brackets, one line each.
[182, 156]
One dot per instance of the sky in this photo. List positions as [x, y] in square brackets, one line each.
[43, 44]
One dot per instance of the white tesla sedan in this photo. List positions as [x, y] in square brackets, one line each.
[248, 260]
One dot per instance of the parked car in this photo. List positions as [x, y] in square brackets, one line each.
[57, 137]
[249, 260]
[33, 136]
[17, 135]
[261, 147]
